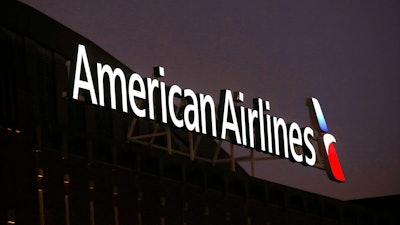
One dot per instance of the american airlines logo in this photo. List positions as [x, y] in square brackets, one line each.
[250, 127]
[326, 141]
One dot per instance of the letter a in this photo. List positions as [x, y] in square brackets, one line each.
[81, 84]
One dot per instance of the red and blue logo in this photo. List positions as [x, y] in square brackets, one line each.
[326, 141]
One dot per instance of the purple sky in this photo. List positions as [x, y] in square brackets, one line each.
[345, 53]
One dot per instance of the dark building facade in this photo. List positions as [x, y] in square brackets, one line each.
[67, 162]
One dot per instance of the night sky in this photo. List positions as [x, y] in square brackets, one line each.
[344, 53]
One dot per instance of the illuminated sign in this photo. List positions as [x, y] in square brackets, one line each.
[248, 127]
[325, 142]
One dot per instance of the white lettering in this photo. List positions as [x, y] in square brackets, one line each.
[133, 93]
[295, 140]
[151, 98]
[101, 70]
[191, 113]
[280, 138]
[307, 133]
[229, 109]
[80, 84]
[206, 100]
[172, 92]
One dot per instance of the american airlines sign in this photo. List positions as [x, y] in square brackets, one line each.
[249, 127]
